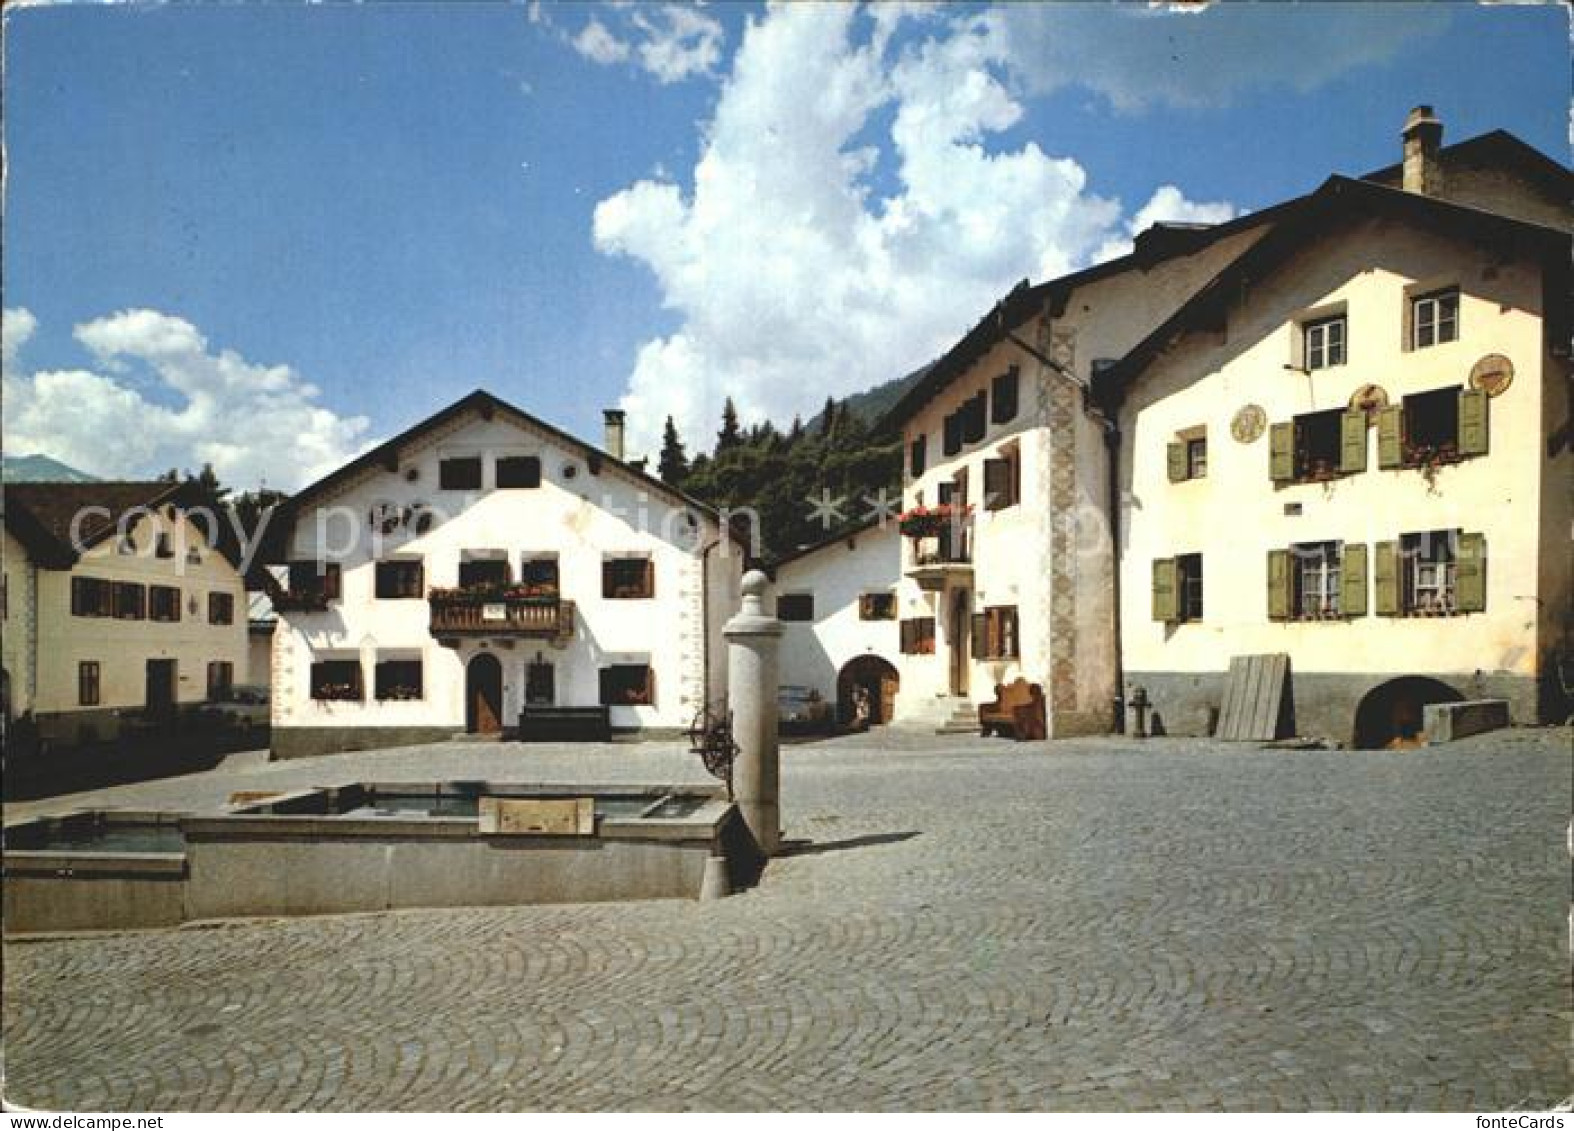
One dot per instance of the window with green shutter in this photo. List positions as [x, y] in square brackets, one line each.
[1471, 577]
[1352, 580]
[1385, 579]
[1164, 603]
[1473, 426]
[1175, 458]
[1352, 442]
[1279, 580]
[1281, 452]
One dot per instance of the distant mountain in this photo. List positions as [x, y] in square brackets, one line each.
[871, 404]
[40, 469]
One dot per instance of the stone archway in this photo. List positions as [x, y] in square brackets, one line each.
[875, 675]
[1389, 715]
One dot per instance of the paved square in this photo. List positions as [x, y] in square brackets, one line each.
[1087, 924]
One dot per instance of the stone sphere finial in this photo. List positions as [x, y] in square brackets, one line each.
[755, 583]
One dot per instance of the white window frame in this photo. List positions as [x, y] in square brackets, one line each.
[1318, 346]
[1319, 572]
[1431, 315]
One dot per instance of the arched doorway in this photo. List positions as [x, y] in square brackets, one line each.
[878, 678]
[957, 628]
[484, 694]
[1389, 716]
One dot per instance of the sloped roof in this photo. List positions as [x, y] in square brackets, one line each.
[1338, 199]
[40, 515]
[1495, 149]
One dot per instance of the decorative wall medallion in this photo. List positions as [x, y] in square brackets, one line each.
[1370, 399]
[1493, 374]
[1248, 425]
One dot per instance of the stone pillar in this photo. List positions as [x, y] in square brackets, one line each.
[753, 638]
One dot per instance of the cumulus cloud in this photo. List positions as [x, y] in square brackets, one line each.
[791, 275]
[17, 327]
[670, 42]
[1168, 204]
[253, 422]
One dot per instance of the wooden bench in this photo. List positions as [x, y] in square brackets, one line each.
[565, 724]
[1018, 709]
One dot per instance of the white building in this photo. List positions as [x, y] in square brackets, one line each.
[837, 601]
[113, 605]
[484, 561]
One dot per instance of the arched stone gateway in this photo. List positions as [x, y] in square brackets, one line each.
[1389, 715]
[876, 676]
[484, 694]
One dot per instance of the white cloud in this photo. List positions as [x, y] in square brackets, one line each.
[791, 276]
[1168, 204]
[599, 45]
[17, 326]
[252, 422]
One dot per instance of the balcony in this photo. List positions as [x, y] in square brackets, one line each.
[940, 559]
[456, 613]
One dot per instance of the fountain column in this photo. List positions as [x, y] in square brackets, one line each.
[753, 638]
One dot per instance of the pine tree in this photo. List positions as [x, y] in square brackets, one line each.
[673, 466]
[827, 417]
[730, 435]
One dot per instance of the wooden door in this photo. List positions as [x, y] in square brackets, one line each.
[160, 700]
[540, 684]
[958, 630]
[484, 695]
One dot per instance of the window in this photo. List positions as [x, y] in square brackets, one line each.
[398, 680]
[1429, 429]
[995, 634]
[519, 471]
[953, 434]
[1003, 480]
[87, 683]
[877, 606]
[310, 584]
[1316, 580]
[1324, 342]
[918, 636]
[131, 601]
[917, 457]
[1434, 318]
[163, 603]
[539, 575]
[795, 606]
[628, 578]
[91, 597]
[1430, 574]
[1003, 391]
[221, 677]
[1318, 446]
[1187, 456]
[463, 474]
[221, 608]
[482, 572]
[399, 579]
[975, 418]
[628, 685]
[336, 680]
[1177, 589]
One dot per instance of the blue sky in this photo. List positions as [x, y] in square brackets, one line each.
[271, 235]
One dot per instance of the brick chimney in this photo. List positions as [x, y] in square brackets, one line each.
[1423, 134]
[614, 432]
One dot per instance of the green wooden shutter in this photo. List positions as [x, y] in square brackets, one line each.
[1385, 579]
[1470, 578]
[1278, 584]
[1352, 442]
[1473, 417]
[1177, 462]
[1352, 580]
[1164, 604]
[1390, 436]
[1281, 452]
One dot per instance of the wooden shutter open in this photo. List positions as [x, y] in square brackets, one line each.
[1352, 441]
[1278, 584]
[1385, 579]
[1281, 452]
[1165, 607]
[997, 484]
[1352, 580]
[1390, 436]
[1175, 459]
[1470, 576]
[1473, 428]
[330, 582]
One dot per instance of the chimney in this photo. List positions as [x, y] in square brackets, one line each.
[1423, 134]
[614, 432]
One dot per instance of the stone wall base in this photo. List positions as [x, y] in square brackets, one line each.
[308, 742]
[1324, 703]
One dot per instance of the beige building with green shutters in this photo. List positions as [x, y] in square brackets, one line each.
[1352, 446]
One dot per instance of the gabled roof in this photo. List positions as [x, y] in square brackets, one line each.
[386, 455]
[40, 515]
[1338, 199]
[844, 535]
[1495, 149]
[1155, 245]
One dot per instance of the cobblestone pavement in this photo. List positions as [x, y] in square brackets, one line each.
[1084, 924]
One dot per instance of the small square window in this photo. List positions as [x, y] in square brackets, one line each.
[518, 471]
[336, 680]
[795, 607]
[1324, 342]
[398, 680]
[628, 685]
[399, 579]
[628, 578]
[877, 606]
[221, 608]
[1434, 319]
[462, 474]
